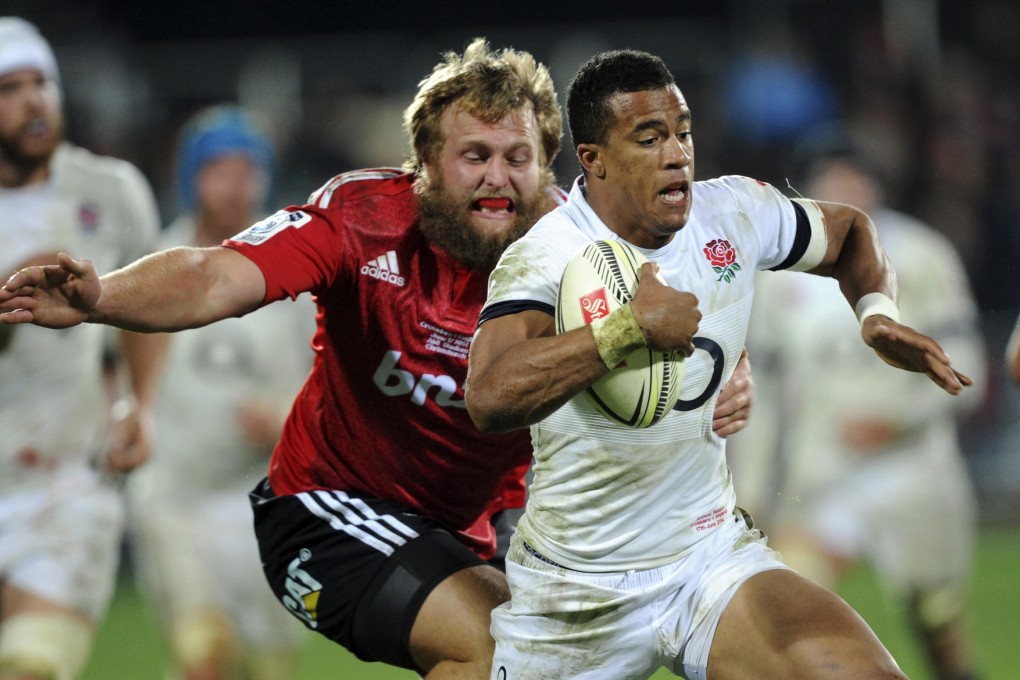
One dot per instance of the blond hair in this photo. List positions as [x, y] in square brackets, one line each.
[487, 85]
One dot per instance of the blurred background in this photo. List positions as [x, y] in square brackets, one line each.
[930, 86]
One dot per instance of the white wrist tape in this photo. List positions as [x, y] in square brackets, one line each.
[876, 303]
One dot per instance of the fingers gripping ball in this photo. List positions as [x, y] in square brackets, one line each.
[598, 281]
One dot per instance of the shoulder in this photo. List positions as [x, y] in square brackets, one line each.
[356, 185]
[736, 191]
[75, 164]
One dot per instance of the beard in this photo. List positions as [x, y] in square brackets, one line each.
[446, 222]
[29, 156]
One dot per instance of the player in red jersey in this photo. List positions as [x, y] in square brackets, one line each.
[377, 518]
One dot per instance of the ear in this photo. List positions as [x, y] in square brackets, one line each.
[590, 156]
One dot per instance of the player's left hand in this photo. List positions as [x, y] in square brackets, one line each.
[130, 440]
[734, 404]
[903, 347]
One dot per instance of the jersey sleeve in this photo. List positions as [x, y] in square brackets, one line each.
[526, 277]
[790, 232]
[298, 250]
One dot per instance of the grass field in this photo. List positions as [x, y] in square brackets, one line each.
[128, 647]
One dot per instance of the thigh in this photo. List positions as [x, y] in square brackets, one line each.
[64, 547]
[782, 625]
[356, 570]
[566, 624]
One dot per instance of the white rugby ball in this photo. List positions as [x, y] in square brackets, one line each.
[600, 278]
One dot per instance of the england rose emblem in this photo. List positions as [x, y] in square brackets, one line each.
[723, 258]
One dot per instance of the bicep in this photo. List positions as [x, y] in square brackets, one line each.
[238, 285]
[838, 219]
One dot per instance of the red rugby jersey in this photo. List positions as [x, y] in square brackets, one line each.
[382, 412]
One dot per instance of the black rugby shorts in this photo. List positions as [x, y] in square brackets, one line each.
[356, 569]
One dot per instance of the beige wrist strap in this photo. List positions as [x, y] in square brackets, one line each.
[617, 335]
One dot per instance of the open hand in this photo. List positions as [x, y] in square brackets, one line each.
[55, 296]
[905, 348]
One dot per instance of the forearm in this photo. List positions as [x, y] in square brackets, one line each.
[144, 355]
[532, 379]
[171, 290]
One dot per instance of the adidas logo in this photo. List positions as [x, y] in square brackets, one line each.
[384, 268]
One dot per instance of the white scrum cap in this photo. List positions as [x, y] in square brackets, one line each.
[23, 47]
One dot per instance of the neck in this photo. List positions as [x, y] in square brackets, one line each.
[17, 175]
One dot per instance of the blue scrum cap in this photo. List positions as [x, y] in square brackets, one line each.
[213, 133]
[23, 47]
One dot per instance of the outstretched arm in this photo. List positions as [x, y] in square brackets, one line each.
[166, 291]
[855, 257]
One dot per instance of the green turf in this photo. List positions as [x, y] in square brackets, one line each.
[128, 647]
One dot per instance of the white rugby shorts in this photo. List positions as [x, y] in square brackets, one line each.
[62, 541]
[568, 624]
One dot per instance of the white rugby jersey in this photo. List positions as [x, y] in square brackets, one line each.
[210, 374]
[54, 405]
[815, 377]
[610, 498]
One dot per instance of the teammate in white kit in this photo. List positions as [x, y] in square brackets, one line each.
[224, 396]
[846, 460]
[61, 513]
[631, 553]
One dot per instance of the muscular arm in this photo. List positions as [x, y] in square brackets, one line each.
[855, 258]
[520, 371]
[167, 291]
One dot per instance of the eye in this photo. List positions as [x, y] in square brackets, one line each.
[646, 141]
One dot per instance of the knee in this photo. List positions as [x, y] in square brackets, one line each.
[44, 646]
[204, 644]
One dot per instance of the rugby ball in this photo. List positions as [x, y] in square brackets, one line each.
[600, 278]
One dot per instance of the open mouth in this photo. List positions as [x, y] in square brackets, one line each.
[37, 127]
[676, 192]
[494, 207]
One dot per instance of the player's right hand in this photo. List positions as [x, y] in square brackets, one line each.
[668, 317]
[55, 296]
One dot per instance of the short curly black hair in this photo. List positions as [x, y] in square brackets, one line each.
[598, 79]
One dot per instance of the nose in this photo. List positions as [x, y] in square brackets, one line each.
[676, 154]
[495, 173]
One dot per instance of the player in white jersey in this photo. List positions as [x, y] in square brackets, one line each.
[632, 554]
[61, 513]
[846, 460]
[226, 391]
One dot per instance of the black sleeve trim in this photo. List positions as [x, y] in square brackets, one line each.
[514, 307]
[800, 241]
